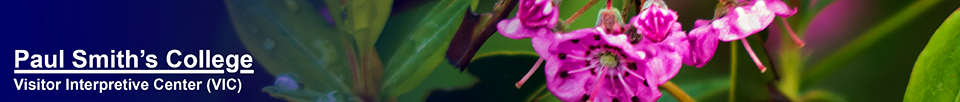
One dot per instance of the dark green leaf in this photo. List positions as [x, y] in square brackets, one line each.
[498, 72]
[289, 37]
[748, 83]
[444, 77]
[423, 50]
[935, 74]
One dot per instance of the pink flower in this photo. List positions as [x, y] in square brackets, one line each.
[535, 19]
[746, 20]
[655, 23]
[600, 64]
[590, 63]
[740, 21]
[537, 13]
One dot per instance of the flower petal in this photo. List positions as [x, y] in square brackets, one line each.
[575, 40]
[700, 23]
[780, 8]
[571, 87]
[664, 59]
[542, 44]
[702, 46]
[668, 60]
[512, 28]
[747, 20]
[751, 21]
[655, 23]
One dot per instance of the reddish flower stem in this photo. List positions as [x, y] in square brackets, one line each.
[609, 4]
[580, 12]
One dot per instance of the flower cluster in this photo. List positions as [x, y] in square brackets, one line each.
[618, 62]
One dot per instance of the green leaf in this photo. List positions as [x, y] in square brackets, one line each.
[364, 19]
[498, 72]
[289, 37]
[474, 4]
[444, 77]
[934, 77]
[423, 50]
[498, 43]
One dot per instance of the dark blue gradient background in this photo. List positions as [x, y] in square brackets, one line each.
[43, 27]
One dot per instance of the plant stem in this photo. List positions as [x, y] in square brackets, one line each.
[733, 70]
[486, 27]
[677, 92]
[627, 7]
[580, 12]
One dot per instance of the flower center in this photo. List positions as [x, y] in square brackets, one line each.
[611, 67]
[609, 60]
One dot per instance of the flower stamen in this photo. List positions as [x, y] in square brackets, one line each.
[634, 74]
[592, 65]
[532, 70]
[753, 55]
[620, 76]
[597, 83]
[793, 35]
[579, 58]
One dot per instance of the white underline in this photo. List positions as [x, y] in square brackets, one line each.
[204, 71]
[246, 71]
